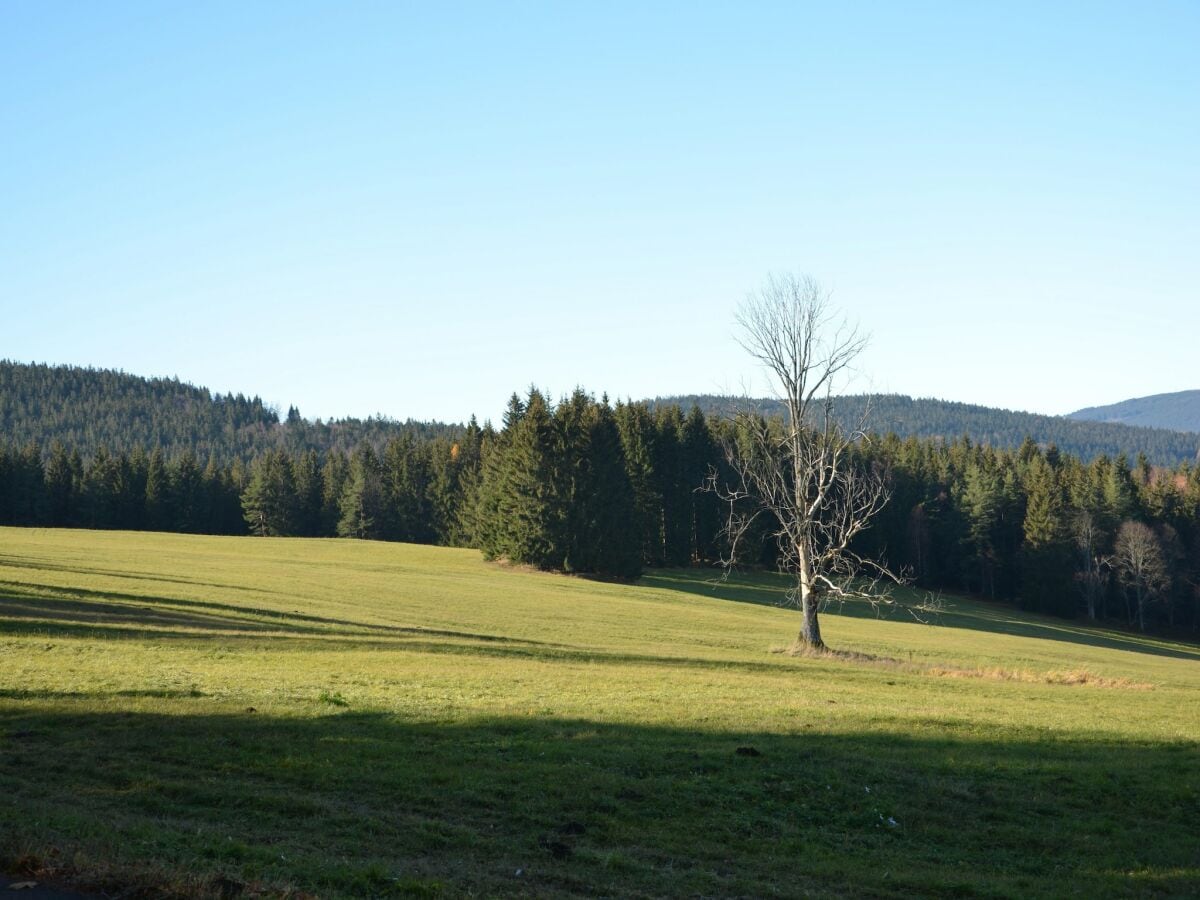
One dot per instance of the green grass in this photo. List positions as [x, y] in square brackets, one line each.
[340, 718]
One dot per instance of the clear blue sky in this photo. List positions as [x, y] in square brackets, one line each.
[416, 208]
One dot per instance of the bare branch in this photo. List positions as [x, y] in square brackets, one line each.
[800, 473]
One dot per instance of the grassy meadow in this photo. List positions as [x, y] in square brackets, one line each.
[286, 717]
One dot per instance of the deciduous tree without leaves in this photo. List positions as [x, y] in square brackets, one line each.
[800, 474]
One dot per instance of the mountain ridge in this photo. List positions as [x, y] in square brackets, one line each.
[86, 408]
[946, 420]
[1176, 410]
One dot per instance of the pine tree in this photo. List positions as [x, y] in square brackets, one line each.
[309, 494]
[572, 484]
[1046, 556]
[362, 503]
[334, 475]
[134, 470]
[672, 485]
[100, 491]
[60, 487]
[160, 514]
[406, 484]
[464, 469]
[187, 493]
[519, 513]
[980, 499]
[637, 441]
[269, 501]
[608, 498]
[701, 455]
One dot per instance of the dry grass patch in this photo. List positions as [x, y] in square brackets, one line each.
[1072, 677]
[991, 673]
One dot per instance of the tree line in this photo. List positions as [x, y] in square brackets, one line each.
[92, 409]
[586, 486]
[89, 409]
[1046, 530]
[947, 421]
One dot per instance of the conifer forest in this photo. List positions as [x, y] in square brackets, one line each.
[585, 486]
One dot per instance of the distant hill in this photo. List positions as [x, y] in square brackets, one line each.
[927, 418]
[88, 408]
[1179, 411]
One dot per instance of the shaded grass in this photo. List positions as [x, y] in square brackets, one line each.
[359, 720]
[367, 803]
[768, 589]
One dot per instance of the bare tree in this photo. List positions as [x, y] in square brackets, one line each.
[1141, 566]
[799, 474]
[1092, 573]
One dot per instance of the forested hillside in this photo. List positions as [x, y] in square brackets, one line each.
[1179, 410]
[582, 486]
[1000, 428]
[86, 409]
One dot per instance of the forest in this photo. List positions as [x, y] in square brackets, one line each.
[585, 486]
[1007, 429]
[88, 409]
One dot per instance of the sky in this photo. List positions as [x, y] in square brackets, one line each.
[415, 209]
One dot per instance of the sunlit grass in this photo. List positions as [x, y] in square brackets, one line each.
[356, 719]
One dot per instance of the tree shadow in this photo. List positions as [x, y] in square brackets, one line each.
[364, 803]
[42, 565]
[81, 613]
[43, 609]
[769, 589]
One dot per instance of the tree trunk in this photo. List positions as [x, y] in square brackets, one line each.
[810, 629]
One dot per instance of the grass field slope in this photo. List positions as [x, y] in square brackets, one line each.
[287, 717]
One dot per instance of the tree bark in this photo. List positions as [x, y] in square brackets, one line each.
[810, 628]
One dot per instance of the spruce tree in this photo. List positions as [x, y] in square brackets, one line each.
[702, 455]
[334, 475]
[637, 441]
[467, 464]
[362, 503]
[100, 491]
[160, 515]
[406, 484]
[1046, 563]
[60, 487]
[134, 471]
[519, 513]
[309, 493]
[187, 493]
[615, 548]
[269, 501]
[981, 499]
[673, 485]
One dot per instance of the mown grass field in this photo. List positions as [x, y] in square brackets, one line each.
[337, 718]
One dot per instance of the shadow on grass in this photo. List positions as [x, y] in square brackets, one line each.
[26, 608]
[61, 613]
[38, 564]
[367, 804]
[768, 589]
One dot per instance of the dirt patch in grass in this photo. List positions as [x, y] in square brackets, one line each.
[33, 877]
[1069, 677]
